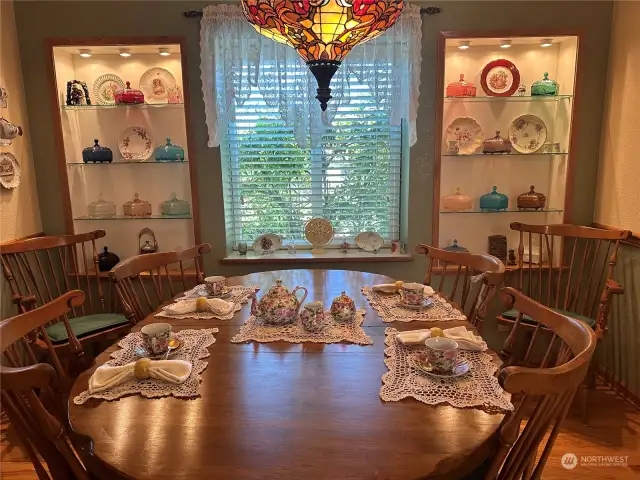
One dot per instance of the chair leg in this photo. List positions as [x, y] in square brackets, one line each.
[588, 384]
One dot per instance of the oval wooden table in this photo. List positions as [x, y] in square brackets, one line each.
[287, 411]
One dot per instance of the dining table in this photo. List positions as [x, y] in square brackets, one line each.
[284, 410]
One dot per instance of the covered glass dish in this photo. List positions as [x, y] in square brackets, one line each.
[454, 247]
[496, 144]
[461, 88]
[101, 208]
[96, 153]
[532, 199]
[494, 201]
[546, 86]
[173, 206]
[168, 152]
[457, 202]
[137, 207]
[128, 95]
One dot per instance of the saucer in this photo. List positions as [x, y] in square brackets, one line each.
[426, 302]
[461, 368]
[203, 292]
[226, 292]
[142, 352]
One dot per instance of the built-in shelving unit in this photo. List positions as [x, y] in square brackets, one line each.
[119, 180]
[476, 173]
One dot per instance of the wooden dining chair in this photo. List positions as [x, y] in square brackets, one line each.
[541, 393]
[477, 275]
[43, 268]
[146, 281]
[29, 391]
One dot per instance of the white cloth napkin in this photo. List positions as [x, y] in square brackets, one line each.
[215, 305]
[391, 288]
[171, 371]
[466, 339]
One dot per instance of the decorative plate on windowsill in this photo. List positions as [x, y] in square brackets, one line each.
[267, 243]
[318, 232]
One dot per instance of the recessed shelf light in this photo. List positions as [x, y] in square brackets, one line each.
[125, 52]
[85, 52]
[505, 43]
[464, 44]
[164, 52]
[546, 42]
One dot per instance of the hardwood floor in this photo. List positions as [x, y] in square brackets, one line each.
[614, 430]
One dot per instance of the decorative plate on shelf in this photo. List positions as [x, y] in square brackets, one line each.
[318, 232]
[527, 133]
[155, 84]
[105, 86]
[267, 243]
[500, 78]
[10, 170]
[135, 144]
[369, 241]
[467, 133]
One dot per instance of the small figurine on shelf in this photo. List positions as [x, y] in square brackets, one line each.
[344, 246]
[77, 93]
[291, 247]
[107, 260]
[3, 97]
[522, 91]
[512, 257]
[148, 247]
[242, 248]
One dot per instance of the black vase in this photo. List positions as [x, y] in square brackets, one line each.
[107, 260]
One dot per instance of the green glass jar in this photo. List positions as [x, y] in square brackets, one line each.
[546, 86]
[174, 207]
[169, 152]
[494, 201]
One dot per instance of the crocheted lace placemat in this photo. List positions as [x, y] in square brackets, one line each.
[194, 349]
[333, 332]
[239, 295]
[478, 388]
[390, 309]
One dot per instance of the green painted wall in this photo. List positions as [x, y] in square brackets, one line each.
[41, 19]
[619, 351]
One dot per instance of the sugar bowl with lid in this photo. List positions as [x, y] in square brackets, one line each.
[342, 308]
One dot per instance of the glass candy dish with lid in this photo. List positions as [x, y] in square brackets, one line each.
[175, 207]
[96, 153]
[461, 88]
[546, 86]
[101, 208]
[128, 95]
[531, 199]
[137, 207]
[168, 152]
[454, 247]
[494, 201]
[496, 144]
[456, 202]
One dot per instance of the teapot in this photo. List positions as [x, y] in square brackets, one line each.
[278, 306]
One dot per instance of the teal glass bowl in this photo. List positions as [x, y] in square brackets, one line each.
[494, 201]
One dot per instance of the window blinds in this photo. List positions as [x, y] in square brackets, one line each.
[351, 176]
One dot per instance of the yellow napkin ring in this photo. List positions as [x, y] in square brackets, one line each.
[141, 368]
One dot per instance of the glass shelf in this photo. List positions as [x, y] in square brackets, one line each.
[127, 217]
[490, 155]
[125, 162]
[525, 98]
[139, 106]
[511, 210]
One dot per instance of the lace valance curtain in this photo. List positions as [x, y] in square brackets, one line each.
[232, 54]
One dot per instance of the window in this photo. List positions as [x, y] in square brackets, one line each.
[351, 176]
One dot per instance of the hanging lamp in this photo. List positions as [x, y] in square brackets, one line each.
[323, 32]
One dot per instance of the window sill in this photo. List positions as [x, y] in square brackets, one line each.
[335, 256]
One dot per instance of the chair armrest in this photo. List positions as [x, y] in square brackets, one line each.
[614, 287]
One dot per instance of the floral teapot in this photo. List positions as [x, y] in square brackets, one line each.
[278, 306]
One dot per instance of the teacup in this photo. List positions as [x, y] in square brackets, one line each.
[442, 353]
[412, 293]
[313, 316]
[215, 285]
[156, 337]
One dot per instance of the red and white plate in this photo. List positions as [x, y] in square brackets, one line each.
[500, 78]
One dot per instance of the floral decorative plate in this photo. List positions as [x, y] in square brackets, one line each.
[267, 243]
[155, 84]
[500, 78]
[467, 133]
[135, 144]
[527, 133]
[105, 86]
[318, 232]
[10, 170]
[369, 241]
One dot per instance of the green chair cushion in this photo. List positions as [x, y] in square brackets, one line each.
[85, 326]
[513, 314]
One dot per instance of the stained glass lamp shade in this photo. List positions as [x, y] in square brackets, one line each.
[323, 32]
